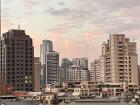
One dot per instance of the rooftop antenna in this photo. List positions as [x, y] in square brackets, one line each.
[18, 27]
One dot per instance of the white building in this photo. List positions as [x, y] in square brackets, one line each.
[77, 74]
[96, 74]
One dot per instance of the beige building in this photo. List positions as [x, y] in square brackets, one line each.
[115, 89]
[95, 71]
[119, 60]
[37, 67]
[86, 88]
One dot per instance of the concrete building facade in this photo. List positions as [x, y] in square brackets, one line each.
[52, 67]
[65, 64]
[17, 60]
[74, 70]
[120, 60]
[95, 71]
[80, 62]
[76, 74]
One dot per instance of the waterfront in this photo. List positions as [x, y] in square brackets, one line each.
[73, 103]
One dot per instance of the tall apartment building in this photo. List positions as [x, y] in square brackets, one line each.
[119, 60]
[74, 70]
[52, 67]
[78, 71]
[95, 71]
[65, 64]
[37, 68]
[17, 60]
[98, 67]
[45, 47]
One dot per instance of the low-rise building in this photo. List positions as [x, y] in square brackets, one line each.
[54, 88]
[86, 89]
[115, 89]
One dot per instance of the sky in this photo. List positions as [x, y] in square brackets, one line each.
[77, 27]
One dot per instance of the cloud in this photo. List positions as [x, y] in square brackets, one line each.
[61, 3]
[67, 48]
[100, 13]
[117, 4]
[75, 25]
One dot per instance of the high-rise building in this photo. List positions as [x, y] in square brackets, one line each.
[95, 71]
[17, 60]
[45, 47]
[98, 67]
[78, 70]
[119, 60]
[80, 62]
[65, 64]
[37, 68]
[52, 67]
[74, 70]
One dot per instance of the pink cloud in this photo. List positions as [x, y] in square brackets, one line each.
[91, 35]
[89, 45]
[66, 47]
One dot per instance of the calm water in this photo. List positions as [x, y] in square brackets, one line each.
[97, 104]
[73, 103]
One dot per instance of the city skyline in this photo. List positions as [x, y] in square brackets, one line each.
[73, 26]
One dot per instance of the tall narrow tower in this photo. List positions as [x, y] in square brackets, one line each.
[45, 47]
